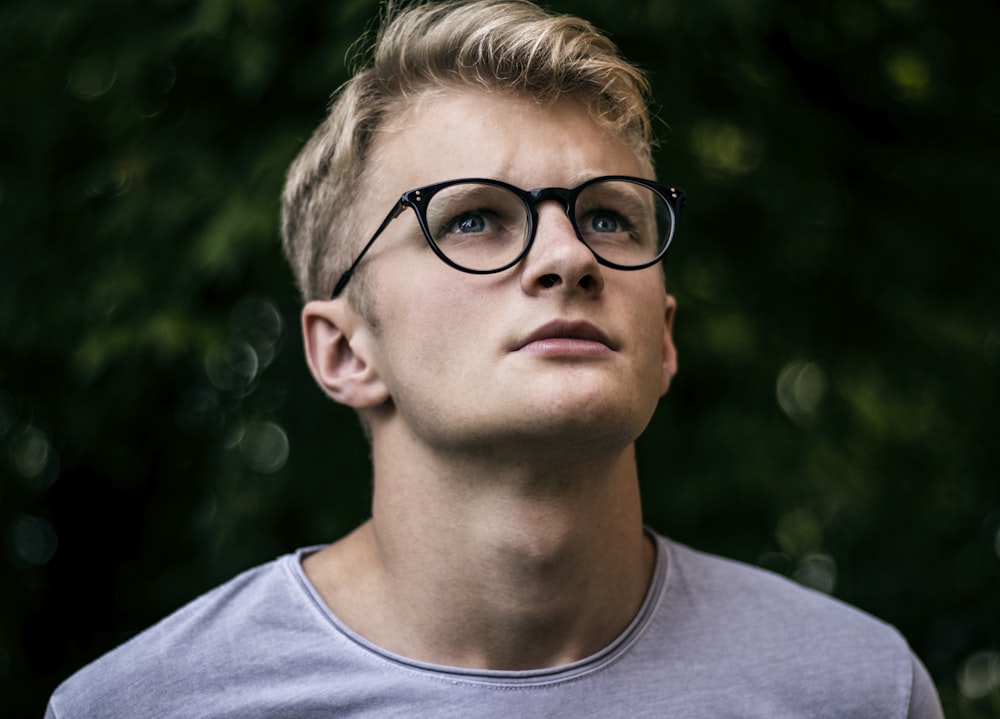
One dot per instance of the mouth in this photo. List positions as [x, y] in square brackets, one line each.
[566, 335]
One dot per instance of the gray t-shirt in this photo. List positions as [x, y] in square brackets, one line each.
[714, 638]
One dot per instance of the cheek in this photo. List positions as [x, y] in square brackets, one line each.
[654, 350]
[435, 334]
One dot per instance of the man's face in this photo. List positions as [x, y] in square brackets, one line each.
[557, 349]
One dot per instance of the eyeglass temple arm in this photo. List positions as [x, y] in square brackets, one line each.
[344, 278]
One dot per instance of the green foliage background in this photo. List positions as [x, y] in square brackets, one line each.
[835, 417]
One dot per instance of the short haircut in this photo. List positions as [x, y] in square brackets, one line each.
[509, 46]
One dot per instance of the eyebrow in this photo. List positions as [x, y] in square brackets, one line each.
[575, 178]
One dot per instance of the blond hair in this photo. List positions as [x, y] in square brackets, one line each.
[498, 45]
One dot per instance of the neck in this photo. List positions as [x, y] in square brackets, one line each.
[495, 565]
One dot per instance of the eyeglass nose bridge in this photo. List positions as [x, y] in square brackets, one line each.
[543, 194]
[564, 196]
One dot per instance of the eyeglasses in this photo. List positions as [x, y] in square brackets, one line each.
[484, 226]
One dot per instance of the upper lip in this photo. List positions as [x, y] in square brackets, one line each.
[568, 329]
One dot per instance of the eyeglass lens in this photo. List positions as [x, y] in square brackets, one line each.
[484, 227]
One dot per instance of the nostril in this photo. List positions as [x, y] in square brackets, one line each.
[588, 282]
[549, 280]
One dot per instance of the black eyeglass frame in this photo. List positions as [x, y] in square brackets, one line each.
[419, 198]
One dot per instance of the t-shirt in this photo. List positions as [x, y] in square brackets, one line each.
[714, 638]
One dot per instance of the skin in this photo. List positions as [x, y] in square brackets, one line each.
[506, 530]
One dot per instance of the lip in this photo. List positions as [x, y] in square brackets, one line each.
[566, 336]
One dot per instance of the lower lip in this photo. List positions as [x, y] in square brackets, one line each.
[566, 347]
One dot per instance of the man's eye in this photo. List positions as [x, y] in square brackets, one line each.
[467, 223]
[604, 222]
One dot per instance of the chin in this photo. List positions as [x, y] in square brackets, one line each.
[606, 425]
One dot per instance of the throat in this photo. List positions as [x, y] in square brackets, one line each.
[540, 599]
[494, 572]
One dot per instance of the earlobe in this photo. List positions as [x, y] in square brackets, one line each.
[337, 354]
[669, 350]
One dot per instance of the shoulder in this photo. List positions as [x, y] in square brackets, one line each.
[742, 601]
[216, 637]
[737, 594]
[784, 642]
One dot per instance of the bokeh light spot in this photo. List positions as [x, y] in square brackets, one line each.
[109, 182]
[909, 73]
[800, 389]
[33, 458]
[979, 675]
[91, 77]
[256, 320]
[818, 571]
[725, 148]
[31, 541]
[264, 446]
[232, 366]
[732, 334]
[799, 533]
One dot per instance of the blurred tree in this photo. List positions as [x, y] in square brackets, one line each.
[835, 418]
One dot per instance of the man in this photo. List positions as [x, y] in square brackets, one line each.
[477, 232]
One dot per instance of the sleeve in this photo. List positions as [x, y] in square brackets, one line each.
[924, 701]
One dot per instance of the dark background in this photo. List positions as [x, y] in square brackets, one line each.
[836, 413]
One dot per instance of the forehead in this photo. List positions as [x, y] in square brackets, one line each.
[468, 132]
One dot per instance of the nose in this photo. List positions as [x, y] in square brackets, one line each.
[558, 261]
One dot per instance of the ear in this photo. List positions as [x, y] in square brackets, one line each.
[669, 351]
[338, 351]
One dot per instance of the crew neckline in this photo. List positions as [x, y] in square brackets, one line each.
[520, 677]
